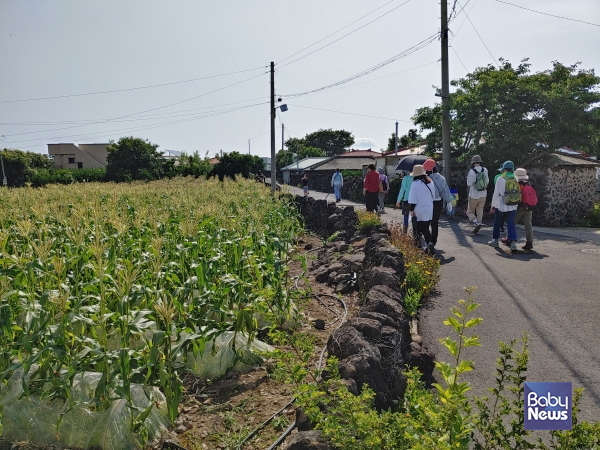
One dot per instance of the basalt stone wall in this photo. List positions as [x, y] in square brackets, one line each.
[321, 181]
[326, 218]
[565, 193]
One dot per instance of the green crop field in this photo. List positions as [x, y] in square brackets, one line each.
[127, 281]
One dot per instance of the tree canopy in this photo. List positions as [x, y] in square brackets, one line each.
[412, 137]
[134, 159]
[509, 113]
[235, 163]
[20, 166]
[331, 142]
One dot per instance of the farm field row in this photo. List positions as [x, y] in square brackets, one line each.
[107, 291]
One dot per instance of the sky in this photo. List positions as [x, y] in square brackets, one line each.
[193, 75]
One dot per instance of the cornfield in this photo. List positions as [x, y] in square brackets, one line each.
[128, 280]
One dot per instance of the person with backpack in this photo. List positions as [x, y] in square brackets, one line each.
[453, 202]
[525, 208]
[385, 184]
[420, 200]
[441, 196]
[477, 180]
[337, 182]
[505, 200]
[402, 201]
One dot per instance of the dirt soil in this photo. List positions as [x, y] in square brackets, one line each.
[220, 414]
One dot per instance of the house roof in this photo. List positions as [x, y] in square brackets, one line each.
[361, 153]
[407, 151]
[214, 160]
[570, 160]
[305, 163]
[344, 163]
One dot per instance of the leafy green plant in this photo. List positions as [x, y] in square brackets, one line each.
[412, 301]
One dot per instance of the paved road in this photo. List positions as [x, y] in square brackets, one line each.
[552, 294]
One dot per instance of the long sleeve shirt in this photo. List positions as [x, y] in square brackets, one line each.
[472, 177]
[499, 193]
[441, 190]
[405, 188]
[372, 181]
[337, 179]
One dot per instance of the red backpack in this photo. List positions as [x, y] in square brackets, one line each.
[528, 195]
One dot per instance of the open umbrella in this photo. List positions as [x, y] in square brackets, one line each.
[408, 162]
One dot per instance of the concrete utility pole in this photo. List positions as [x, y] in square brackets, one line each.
[396, 140]
[248, 146]
[282, 136]
[445, 95]
[4, 182]
[273, 165]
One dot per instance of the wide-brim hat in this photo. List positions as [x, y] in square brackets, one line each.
[476, 159]
[521, 174]
[508, 165]
[429, 165]
[380, 170]
[418, 170]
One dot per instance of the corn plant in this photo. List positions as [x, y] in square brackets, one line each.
[128, 280]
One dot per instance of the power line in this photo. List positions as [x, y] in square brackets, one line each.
[342, 37]
[140, 112]
[350, 114]
[551, 15]
[482, 41]
[405, 53]
[127, 89]
[461, 61]
[145, 127]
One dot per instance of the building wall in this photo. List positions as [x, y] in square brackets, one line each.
[92, 156]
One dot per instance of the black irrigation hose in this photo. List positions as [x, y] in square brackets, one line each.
[281, 438]
[265, 423]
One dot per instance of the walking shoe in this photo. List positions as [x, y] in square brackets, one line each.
[431, 249]
[494, 243]
[513, 246]
[505, 241]
[528, 246]
[477, 228]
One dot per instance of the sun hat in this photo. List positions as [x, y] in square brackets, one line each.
[521, 174]
[476, 159]
[507, 165]
[380, 170]
[429, 165]
[418, 170]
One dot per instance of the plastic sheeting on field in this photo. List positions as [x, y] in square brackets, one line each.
[34, 420]
[245, 356]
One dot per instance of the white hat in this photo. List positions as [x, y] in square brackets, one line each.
[418, 170]
[521, 174]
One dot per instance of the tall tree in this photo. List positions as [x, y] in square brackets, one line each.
[134, 159]
[331, 142]
[508, 113]
[235, 163]
[412, 137]
[20, 167]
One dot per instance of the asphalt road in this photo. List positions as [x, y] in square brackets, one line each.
[552, 294]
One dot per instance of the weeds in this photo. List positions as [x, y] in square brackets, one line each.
[367, 220]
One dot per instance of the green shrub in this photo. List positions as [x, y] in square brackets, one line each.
[367, 220]
[412, 301]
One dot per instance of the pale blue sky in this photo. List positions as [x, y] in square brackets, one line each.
[58, 48]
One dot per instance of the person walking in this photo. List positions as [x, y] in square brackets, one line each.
[371, 188]
[402, 201]
[385, 183]
[305, 185]
[441, 196]
[454, 201]
[502, 206]
[524, 209]
[420, 199]
[337, 182]
[477, 180]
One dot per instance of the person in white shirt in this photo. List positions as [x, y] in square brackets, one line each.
[503, 211]
[337, 182]
[441, 196]
[477, 192]
[420, 199]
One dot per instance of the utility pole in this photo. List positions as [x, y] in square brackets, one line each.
[273, 165]
[4, 182]
[248, 146]
[282, 136]
[445, 94]
[396, 140]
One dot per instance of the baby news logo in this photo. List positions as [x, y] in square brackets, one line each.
[548, 406]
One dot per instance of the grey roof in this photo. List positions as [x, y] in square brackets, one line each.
[305, 163]
[345, 163]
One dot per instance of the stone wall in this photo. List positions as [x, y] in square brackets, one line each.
[565, 193]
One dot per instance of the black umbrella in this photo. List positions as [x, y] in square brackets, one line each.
[408, 162]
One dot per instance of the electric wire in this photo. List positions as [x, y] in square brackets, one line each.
[548, 14]
[128, 89]
[405, 53]
[350, 114]
[335, 32]
[480, 38]
[461, 61]
[345, 35]
[140, 112]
